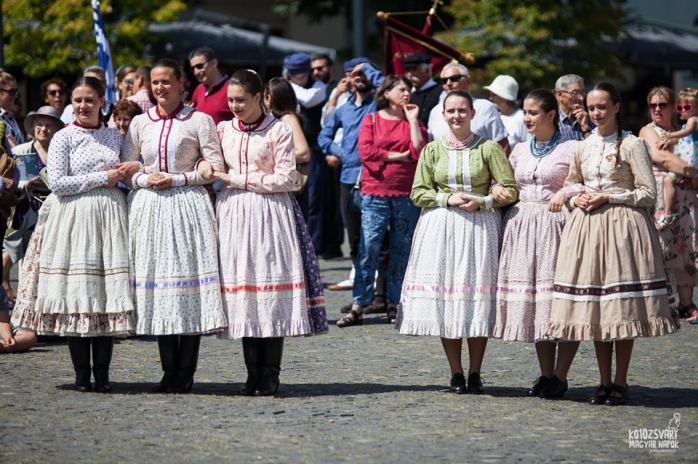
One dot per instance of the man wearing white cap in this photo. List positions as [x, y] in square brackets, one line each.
[504, 90]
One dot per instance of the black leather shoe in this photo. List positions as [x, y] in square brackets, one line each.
[102, 348]
[252, 352]
[475, 384]
[602, 392]
[269, 381]
[555, 389]
[624, 392]
[539, 385]
[458, 384]
[82, 380]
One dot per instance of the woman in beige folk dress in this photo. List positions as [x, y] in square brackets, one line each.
[610, 285]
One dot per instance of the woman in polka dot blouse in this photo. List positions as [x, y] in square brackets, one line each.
[76, 267]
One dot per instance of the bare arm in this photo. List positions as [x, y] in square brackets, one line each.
[301, 150]
[664, 158]
[691, 126]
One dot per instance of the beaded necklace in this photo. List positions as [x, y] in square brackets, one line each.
[460, 145]
[545, 151]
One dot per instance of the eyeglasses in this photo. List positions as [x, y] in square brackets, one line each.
[200, 66]
[686, 107]
[11, 92]
[661, 106]
[129, 81]
[59, 92]
[445, 80]
[575, 93]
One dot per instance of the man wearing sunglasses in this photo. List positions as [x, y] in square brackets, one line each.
[54, 92]
[211, 95]
[426, 92]
[9, 92]
[487, 121]
[574, 119]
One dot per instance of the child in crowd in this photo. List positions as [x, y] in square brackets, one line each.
[12, 340]
[687, 149]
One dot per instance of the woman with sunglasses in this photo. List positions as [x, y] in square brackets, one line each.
[687, 139]
[679, 239]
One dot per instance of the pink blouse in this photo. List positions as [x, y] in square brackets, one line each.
[261, 160]
[540, 178]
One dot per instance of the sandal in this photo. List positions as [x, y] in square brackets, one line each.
[666, 220]
[392, 314]
[346, 321]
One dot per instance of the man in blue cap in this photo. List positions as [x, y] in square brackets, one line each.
[311, 96]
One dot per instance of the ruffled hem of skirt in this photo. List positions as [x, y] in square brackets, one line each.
[520, 334]
[83, 324]
[439, 330]
[629, 330]
[83, 304]
[201, 326]
[295, 328]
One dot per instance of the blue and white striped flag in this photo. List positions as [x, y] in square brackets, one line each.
[103, 53]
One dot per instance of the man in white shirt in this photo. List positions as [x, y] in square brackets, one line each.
[487, 122]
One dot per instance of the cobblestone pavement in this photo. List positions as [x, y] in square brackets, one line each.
[360, 394]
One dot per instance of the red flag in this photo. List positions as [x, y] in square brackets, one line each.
[402, 41]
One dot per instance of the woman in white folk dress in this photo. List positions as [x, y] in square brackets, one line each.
[450, 284]
[75, 279]
[172, 229]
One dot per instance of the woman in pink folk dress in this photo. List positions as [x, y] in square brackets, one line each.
[270, 280]
[532, 231]
[75, 280]
[172, 229]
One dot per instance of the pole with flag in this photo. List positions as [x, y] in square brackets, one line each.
[103, 53]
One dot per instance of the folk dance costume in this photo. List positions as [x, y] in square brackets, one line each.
[531, 240]
[172, 239]
[610, 282]
[450, 285]
[75, 279]
[270, 280]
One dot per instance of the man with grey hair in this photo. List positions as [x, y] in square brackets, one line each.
[98, 73]
[574, 119]
[486, 122]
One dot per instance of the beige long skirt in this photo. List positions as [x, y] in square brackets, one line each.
[610, 281]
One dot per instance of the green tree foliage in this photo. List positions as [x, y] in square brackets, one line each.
[44, 37]
[536, 41]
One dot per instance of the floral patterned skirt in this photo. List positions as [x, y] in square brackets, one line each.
[679, 240]
[75, 276]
